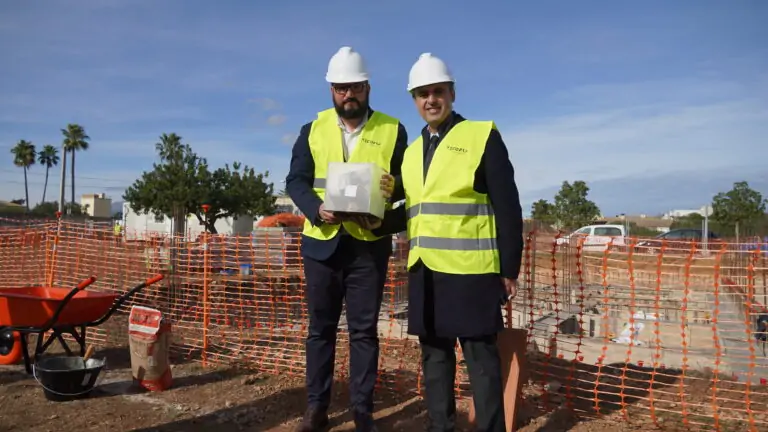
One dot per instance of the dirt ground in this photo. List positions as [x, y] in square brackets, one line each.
[224, 399]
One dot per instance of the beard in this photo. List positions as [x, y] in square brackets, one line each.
[352, 112]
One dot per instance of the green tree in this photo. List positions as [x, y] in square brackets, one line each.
[572, 207]
[14, 206]
[696, 221]
[693, 220]
[75, 140]
[24, 157]
[635, 230]
[48, 158]
[181, 183]
[237, 191]
[544, 212]
[741, 207]
[49, 209]
[762, 226]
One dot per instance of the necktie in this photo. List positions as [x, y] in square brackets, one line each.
[430, 152]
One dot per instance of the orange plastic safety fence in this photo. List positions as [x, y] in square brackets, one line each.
[671, 334]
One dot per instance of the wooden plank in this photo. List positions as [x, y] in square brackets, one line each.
[512, 349]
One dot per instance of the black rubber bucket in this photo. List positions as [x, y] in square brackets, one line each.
[65, 379]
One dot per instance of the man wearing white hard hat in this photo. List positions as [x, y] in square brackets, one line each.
[343, 259]
[465, 229]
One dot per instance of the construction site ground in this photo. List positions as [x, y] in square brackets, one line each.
[222, 399]
[225, 398]
[230, 398]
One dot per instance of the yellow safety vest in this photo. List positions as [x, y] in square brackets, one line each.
[375, 145]
[451, 227]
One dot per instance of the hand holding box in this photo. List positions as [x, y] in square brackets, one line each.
[354, 188]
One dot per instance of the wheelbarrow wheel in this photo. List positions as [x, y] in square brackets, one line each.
[10, 347]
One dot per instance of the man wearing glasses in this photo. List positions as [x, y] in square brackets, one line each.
[343, 259]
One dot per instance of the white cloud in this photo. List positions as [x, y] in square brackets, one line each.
[646, 129]
[266, 104]
[289, 138]
[93, 107]
[276, 119]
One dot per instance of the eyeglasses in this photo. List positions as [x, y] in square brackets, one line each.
[342, 89]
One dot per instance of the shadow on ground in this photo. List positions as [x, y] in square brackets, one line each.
[11, 376]
[412, 416]
[130, 387]
[284, 406]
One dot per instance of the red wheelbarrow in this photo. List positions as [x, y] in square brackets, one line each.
[37, 310]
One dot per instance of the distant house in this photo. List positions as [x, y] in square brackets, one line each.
[285, 205]
[9, 207]
[672, 214]
[138, 225]
[96, 205]
[643, 221]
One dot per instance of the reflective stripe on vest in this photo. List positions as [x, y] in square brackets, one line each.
[451, 227]
[375, 145]
[456, 209]
[453, 243]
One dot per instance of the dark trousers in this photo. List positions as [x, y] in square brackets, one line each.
[356, 272]
[439, 364]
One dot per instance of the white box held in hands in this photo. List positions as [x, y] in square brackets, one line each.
[354, 188]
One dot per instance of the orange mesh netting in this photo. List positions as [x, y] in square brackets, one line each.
[669, 333]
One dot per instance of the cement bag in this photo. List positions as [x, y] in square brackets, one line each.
[149, 337]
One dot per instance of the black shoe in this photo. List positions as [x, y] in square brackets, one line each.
[364, 423]
[315, 420]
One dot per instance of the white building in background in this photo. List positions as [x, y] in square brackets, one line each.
[704, 211]
[97, 205]
[285, 205]
[142, 225]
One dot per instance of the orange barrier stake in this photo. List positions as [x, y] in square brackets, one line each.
[55, 249]
[206, 318]
[512, 347]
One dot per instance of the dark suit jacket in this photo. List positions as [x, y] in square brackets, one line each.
[449, 305]
[299, 185]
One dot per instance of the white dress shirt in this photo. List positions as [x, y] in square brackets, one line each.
[350, 138]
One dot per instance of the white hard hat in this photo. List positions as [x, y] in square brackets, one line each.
[346, 66]
[427, 70]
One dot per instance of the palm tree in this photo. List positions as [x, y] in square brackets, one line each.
[171, 152]
[75, 140]
[49, 158]
[170, 148]
[24, 157]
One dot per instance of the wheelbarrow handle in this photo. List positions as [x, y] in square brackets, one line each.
[119, 302]
[85, 283]
[63, 303]
[154, 279]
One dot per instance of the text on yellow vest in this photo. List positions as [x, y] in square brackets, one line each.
[375, 145]
[451, 227]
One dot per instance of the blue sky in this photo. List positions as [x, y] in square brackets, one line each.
[644, 100]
